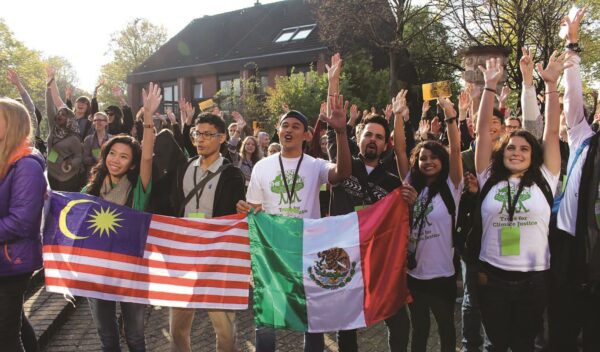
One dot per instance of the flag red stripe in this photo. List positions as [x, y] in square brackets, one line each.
[201, 225]
[155, 279]
[130, 292]
[383, 257]
[222, 253]
[92, 253]
[197, 240]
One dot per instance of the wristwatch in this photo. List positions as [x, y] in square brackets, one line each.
[573, 47]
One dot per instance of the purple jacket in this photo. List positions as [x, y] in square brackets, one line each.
[22, 194]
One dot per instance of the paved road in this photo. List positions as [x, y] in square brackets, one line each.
[79, 334]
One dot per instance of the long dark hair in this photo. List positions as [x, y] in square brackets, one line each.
[100, 171]
[499, 172]
[417, 179]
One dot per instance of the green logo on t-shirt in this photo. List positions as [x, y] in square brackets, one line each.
[502, 196]
[418, 209]
[277, 186]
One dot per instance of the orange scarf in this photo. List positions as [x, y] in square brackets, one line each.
[22, 151]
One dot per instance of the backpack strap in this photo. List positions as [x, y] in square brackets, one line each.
[448, 200]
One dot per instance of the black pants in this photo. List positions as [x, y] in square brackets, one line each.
[398, 327]
[439, 296]
[16, 334]
[512, 311]
[573, 310]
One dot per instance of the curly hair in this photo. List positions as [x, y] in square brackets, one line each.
[417, 179]
[100, 171]
[499, 172]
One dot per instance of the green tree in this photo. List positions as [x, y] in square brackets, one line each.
[129, 48]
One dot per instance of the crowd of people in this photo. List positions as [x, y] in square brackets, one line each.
[506, 199]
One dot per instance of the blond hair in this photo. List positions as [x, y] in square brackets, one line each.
[18, 131]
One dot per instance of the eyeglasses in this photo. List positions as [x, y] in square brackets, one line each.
[204, 135]
[99, 120]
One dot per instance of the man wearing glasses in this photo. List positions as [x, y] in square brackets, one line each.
[210, 187]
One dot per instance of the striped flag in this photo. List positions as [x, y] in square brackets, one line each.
[93, 248]
[337, 273]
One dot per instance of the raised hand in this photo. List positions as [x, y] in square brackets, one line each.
[68, 92]
[464, 100]
[399, 102]
[424, 127]
[172, 117]
[553, 70]
[50, 72]
[425, 107]
[337, 117]
[334, 70]
[13, 77]
[471, 184]
[526, 66]
[239, 119]
[285, 107]
[492, 73]
[474, 91]
[504, 94]
[151, 99]
[388, 112]
[573, 26]
[448, 108]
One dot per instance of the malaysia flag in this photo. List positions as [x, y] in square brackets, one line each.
[94, 248]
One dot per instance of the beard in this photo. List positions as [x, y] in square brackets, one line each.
[371, 152]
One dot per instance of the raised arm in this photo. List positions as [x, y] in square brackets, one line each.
[491, 75]
[573, 98]
[550, 76]
[337, 120]
[56, 99]
[152, 100]
[533, 120]
[451, 119]
[13, 77]
[399, 108]
[333, 76]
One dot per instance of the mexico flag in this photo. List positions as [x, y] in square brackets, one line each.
[336, 273]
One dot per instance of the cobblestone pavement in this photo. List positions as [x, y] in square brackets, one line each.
[79, 334]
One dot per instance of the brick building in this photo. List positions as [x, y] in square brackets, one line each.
[212, 52]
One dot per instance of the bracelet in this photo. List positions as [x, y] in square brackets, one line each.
[148, 125]
[550, 92]
[490, 90]
[450, 119]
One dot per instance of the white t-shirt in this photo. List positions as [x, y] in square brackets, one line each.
[531, 217]
[267, 187]
[434, 249]
[567, 212]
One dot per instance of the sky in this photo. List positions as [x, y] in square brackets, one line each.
[80, 30]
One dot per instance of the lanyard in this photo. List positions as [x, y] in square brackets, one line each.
[287, 190]
[199, 193]
[512, 202]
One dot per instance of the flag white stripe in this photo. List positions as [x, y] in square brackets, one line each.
[196, 260]
[134, 268]
[145, 286]
[197, 232]
[154, 302]
[198, 247]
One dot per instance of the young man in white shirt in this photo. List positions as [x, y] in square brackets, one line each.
[288, 184]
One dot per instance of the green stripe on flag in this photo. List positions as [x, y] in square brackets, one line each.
[276, 249]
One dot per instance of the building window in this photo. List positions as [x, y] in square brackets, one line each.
[230, 84]
[264, 83]
[170, 97]
[198, 93]
[294, 33]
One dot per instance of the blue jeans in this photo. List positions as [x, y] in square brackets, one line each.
[265, 340]
[104, 314]
[471, 316]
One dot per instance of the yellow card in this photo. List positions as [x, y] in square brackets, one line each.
[432, 91]
[207, 104]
